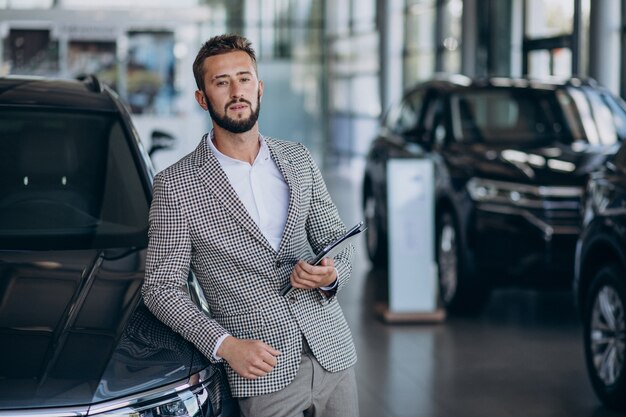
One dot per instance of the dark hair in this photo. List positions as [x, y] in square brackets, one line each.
[218, 45]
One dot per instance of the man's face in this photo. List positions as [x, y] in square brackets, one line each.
[232, 91]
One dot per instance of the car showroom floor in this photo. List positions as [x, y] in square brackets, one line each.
[521, 357]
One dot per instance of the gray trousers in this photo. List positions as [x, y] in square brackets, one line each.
[314, 392]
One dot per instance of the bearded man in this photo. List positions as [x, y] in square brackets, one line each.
[244, 212]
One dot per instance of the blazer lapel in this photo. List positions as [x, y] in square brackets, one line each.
[211, 173]
[287, 168]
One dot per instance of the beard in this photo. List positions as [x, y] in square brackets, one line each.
[230, 124]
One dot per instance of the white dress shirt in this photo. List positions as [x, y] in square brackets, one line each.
[261, 188]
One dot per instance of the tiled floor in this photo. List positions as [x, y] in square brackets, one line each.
[522, 357]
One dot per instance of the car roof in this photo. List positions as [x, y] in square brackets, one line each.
[447, 82]
[84, 94]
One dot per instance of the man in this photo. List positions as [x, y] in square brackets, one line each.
[246, 212]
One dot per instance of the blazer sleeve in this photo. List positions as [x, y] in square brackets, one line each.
[164, 288]
[324, 225]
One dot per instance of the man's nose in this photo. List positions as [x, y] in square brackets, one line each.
[236, 91]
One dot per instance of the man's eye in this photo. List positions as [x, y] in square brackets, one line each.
[243, 80]
[222, 83]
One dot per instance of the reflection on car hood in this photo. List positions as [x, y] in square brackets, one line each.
[557, 164]
[74, 330]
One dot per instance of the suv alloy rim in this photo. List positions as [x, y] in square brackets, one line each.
[607, 334]
[447, 262]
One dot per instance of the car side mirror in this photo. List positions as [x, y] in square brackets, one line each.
[160, 141]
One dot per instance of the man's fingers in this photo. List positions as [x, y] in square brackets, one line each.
[328, 262]
[273, 353]
[251, 358]
[312, 276]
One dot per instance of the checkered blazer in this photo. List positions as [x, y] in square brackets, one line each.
[197, 220]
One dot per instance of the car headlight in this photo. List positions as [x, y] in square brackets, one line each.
[177, 400]
[183, 405]
[524, 195]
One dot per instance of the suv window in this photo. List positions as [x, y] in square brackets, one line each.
[505, 116]
[596, 117]
[620, 159]
[68, 181]
[404, 117]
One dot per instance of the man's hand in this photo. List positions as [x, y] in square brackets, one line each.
[251, 359]
[309, 276]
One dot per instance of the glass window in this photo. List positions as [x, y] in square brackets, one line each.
[26, 4]
[365, 95]
[506, 116]
[549, 17]
[404, 118]
[150, 72]
[618, 111]
[31, 52]
[452, 14]
[364, 15]
[99, 4]
[93, 57]
[599, 117]
[68, 181]
[420, 27]
[620, 159]
[418, 67]
[338, 16]
[420, 41]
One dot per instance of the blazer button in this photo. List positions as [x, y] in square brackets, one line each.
[292, 299]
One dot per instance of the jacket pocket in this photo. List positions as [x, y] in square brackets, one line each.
[242, 325]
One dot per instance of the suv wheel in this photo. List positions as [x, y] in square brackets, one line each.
[374, 235]
[605, 335]
[456, 291]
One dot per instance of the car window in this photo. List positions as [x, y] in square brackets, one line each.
[619, 114]
[620, 158]
[512, 116]
[599, 118]
[434, 121]
[68, 181]
[404, 117]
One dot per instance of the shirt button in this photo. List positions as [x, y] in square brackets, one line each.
[292, 299]
[278, 264]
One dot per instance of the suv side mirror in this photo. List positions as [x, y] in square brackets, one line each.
[160, 140]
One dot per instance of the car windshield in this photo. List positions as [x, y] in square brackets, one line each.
[68, 181]
[509, 116]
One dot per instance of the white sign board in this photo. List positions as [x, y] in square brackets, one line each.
[410, 214]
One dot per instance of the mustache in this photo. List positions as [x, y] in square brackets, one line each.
[240, 100]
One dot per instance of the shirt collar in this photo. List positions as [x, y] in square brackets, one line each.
[263, 155]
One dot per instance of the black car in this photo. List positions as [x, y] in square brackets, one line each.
[600, 283]
[511, 159]
[75, 338]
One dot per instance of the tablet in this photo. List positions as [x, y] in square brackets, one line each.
[332, 249]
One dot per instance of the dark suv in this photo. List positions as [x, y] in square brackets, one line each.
[511, 158]
[600, 284]
[75, 339]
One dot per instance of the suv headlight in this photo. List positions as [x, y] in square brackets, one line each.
[524, 195]
[176, 400]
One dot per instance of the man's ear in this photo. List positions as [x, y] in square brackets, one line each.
[260, 89]
[201, 99]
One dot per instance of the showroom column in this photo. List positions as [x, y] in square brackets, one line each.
[391, 21]
[604, 43]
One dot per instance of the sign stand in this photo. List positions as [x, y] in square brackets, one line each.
[413, 282]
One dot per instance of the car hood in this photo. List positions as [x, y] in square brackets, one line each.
[75, 332]
[557, 164]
